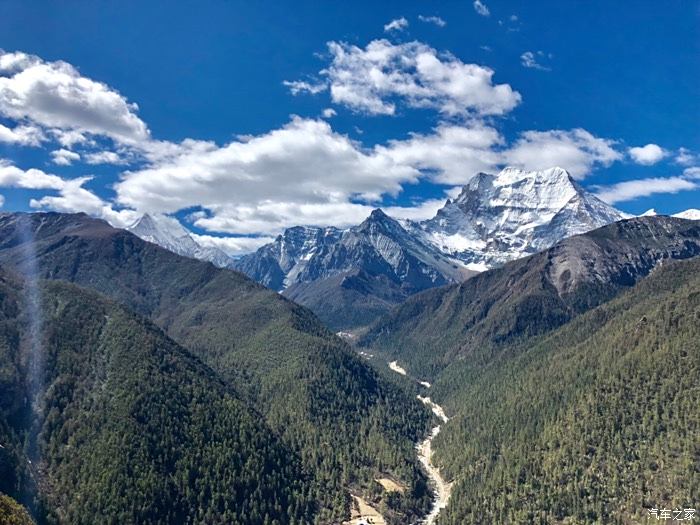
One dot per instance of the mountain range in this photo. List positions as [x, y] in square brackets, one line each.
[175, 391]
[350, 276]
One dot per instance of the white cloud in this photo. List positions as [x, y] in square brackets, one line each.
[452, 154]
[302, 86]
[481, 8]
[529, 60]
[2, 201]
[71, 137]
[104, 157]
[305, 172]
[73, 197]
[398, 24]
[64, 157]
[685, 157]
[633, 189]
[22, 134]
[232, 245]
[424, 210]
[577, 151]
[329, 113]
[432, 20]
[13, 177]
[647, 155]
[301, 172]
[692, 173]
[56, 95]
[373, 79]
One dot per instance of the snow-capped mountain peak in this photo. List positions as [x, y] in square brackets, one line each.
[168, 233]
[691, 214]
[501, 217]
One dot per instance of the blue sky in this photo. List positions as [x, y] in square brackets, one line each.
[189, 108]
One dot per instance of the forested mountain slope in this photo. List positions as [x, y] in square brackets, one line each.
[596, 422]
[304, 380]
[126, 425]
[528, 297]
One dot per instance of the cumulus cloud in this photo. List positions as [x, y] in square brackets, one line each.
[577, 150]
[529, 59]
[104, 157]
[22, 135]
[421, 211]
[328, 113]
[56, 95]
[64, 157]
[481, 8]
[267, 181]
[372, 79]
[436, 20]
[398, 24]
[685, 157]
[451, 154]
[692, 173]
[633, 189]
[647, 155]
[13, 177]
[73, 197]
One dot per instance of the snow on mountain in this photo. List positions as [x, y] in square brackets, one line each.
[277, 264]
[498, 218]
[168, 233]
[379, 245]
[691, 214]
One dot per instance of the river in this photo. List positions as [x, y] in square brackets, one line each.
[441, 488]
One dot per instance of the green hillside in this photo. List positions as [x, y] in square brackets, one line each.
[595, 423]
[130, 427]
[346, 423]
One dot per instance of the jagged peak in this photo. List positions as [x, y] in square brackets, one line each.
[511, 176]
[554, 176]
[378, 213]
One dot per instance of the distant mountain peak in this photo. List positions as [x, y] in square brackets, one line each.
[692, 214]
[497, 218]
[167, 232]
